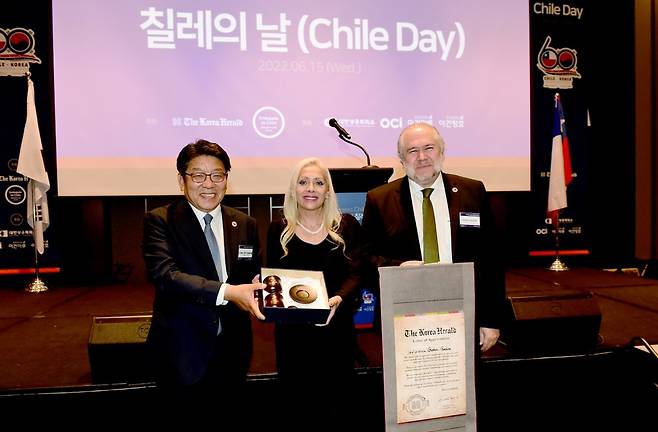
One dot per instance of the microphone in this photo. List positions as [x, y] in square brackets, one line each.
[342, 134]
[334, 124]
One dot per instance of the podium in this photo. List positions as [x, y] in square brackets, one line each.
[428, 343]
[359, 179]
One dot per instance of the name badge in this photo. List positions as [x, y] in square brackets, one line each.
[469, 220]
[245, 252]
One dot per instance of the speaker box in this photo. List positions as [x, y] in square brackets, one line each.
[553, 323]
[117, 349]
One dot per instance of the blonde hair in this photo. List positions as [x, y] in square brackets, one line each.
[330, 214]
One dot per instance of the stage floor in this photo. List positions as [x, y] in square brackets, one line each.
[44, 338]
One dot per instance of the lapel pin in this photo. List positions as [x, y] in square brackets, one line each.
[234, 224]
[454, 189]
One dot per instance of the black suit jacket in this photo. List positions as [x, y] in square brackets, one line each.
[183, 331]
[391, 237]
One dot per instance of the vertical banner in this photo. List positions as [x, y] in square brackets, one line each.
[560, 67]
[18, 123]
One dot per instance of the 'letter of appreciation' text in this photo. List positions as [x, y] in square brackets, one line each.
[430, 358]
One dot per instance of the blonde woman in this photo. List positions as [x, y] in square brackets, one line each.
[313, 235]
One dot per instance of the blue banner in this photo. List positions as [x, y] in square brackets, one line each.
[559, 67]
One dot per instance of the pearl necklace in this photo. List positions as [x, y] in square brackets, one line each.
[310, 231]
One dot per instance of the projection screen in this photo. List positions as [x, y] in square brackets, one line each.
[135, 81]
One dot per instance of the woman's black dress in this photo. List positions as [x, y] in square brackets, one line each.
[305, 352]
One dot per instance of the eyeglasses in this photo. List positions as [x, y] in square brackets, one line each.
[199, 177]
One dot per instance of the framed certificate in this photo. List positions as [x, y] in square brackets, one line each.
[428, 331]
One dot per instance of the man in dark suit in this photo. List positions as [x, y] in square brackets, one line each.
[394, 229]
[205, 271]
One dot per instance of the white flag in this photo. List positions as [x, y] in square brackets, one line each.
[30, 164]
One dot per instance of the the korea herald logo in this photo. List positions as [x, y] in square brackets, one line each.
[559, 65]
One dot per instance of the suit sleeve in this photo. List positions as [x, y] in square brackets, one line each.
[163, 264]
[254, 239]
[374, 236]
[490, 278]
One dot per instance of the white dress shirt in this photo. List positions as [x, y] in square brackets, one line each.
[441, 215]
[217, 225]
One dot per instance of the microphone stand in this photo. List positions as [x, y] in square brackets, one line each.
[341, 136]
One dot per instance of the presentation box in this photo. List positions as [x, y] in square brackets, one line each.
[294, 296]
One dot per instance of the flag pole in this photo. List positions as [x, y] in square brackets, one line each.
[37, 285]
[557, 264]
[560, 177]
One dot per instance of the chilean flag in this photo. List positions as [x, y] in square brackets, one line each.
[560, 175]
